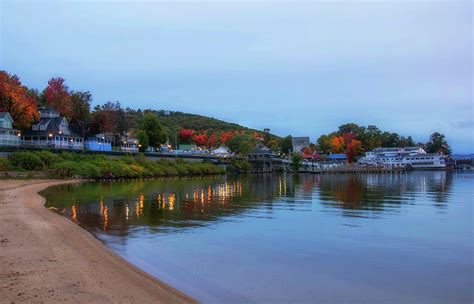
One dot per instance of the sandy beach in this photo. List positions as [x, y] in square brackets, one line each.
[46, 258]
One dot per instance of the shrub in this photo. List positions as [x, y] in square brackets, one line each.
[4, 165]
[65, 168]
[26, 161]
[88, 170]
[47, 158]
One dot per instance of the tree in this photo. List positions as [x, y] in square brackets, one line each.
[286, 145]
[325, 143]
[17, 100]
[81, 111]
[438, 144]
[185, 136]
[337, 144]
[200, 140]
[241, 144]
[58, 97]
[143, 141]
[211, 141]
[150, 124]
[225, 136]
[295, 162]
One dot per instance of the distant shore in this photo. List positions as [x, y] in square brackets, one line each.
[47, 258]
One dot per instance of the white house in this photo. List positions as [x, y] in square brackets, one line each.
[52, 131]
[8, 136]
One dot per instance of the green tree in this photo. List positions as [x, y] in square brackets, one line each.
[438, 144]
[81, 111]
[325, 143]
[150, 124]
[286, 145]
[295, 162]
[241, 144]
[143, 140]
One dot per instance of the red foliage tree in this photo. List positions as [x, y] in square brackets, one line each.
[200, 140]
[14, 99]
[58, 96]
[211, 141]
[185, 136]
[225, 136]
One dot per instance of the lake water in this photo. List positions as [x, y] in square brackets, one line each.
[402, 238]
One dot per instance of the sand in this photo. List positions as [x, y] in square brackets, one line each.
[45, 258]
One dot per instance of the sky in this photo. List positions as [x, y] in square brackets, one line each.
[297, 67]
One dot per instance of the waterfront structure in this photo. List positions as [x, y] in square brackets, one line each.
[52, 131]
[129, 145]
[97, 143]
[299, 143]
[409, 157]
[9, 137]
[221, 152]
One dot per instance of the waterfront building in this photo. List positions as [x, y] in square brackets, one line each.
[9, 137]
[98, 143]
[299, 143]
[129, 145]
[221, 152]
[52, 131]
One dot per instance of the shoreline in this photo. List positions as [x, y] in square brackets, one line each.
[47, 258]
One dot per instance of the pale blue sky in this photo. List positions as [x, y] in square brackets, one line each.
[299, 67]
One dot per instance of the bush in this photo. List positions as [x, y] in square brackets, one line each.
[64, 169]
[88, 170]
[47, 158]
[4, 165]
[26, 160]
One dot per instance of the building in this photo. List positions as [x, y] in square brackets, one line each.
[97, 143]
[9, 137]
[129, 145]
[52, 131]
[299, 143]
[221, 152]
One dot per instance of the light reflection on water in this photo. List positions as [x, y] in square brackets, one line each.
[280, 238]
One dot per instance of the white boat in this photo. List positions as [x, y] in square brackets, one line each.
[410, 158]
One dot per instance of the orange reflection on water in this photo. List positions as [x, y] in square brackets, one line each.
[74, 213]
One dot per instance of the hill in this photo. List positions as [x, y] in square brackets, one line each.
[174, 121]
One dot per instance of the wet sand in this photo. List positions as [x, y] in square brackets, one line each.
[46, 258]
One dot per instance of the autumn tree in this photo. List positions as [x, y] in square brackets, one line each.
[348, 144]
[226, 136]
[58, 97]
[17, 100]
[185, 136]
[200, 140]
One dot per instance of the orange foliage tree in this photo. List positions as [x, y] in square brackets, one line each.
[348, 144]
[14, 99]
[58, 97]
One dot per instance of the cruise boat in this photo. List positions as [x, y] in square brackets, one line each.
[425, 161]
[409, 157]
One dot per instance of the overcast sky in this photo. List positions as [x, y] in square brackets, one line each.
[300, 68]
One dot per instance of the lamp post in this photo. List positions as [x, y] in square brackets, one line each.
[19, 140]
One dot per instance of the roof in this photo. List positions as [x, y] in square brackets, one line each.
[261, 149]
[52, 127]
[5, 114]
[337, 156]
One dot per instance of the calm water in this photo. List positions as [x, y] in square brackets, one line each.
[276, 238]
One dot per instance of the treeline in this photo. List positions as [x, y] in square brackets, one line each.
[354, 139]
[99, 167]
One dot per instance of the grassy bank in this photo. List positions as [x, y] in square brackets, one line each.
[67, 165]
